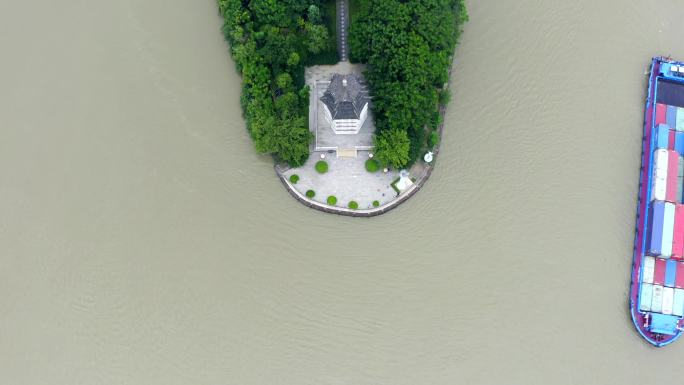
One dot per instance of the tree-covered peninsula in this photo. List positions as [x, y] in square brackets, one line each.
[408, 46]
[271, 41]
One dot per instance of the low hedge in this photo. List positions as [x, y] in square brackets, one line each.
[322, 166]
[294, 178]
[332, 200]
[394, 186]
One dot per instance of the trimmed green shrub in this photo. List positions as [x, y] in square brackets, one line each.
[294, 178]
[376, 203]
[444, 97]
[433, 140]
[353, 205]
[332, 200]
[310, 193]
[372, 165]
[322, 166]
[435, 120]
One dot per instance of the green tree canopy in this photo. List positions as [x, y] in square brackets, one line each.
[315, 14]
[284, 81]
[270, 40]
[392, 147]
[318, 38]
[408, 46]
[293, 59]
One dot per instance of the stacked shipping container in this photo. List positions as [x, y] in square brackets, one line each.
[661, 229]
[678, 233]
[662, 272]
[672, 116]
[668, 176]
[662, 286]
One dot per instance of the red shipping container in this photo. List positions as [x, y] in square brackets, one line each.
[672, 170]
[659, 273]
[661, 114]
[672, 137]
[678, 235]
[679, 278]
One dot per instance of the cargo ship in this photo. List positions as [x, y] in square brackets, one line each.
[657, 287]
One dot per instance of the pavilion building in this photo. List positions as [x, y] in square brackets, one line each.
[346, 103]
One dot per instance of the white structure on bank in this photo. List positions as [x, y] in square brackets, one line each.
[346, 103]
[404, 181]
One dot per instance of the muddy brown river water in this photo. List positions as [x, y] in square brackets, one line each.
[142, 240]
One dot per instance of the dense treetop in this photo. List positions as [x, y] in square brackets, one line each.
[407, 45]
[270, 41]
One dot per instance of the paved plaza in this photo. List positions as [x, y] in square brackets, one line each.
[347, 179]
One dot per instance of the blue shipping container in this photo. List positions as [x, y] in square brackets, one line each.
[679, 142]
[670, 272]
[671, 116]
[662, 136]
[655, 230]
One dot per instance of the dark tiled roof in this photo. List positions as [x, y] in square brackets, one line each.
[346, 101]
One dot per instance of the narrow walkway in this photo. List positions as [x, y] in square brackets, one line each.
[342, 28]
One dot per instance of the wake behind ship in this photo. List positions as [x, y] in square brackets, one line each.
[657, 288]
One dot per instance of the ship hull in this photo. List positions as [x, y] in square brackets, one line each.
[671, 327]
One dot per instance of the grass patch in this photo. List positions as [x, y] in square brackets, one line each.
[376, 203]
[394, 186]
[332, 200]
[354, 9]
[294, 178]
[322, 166]
[330, 55]
[310, 193]
[372, 165]
[330, 19]
[353, 205]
